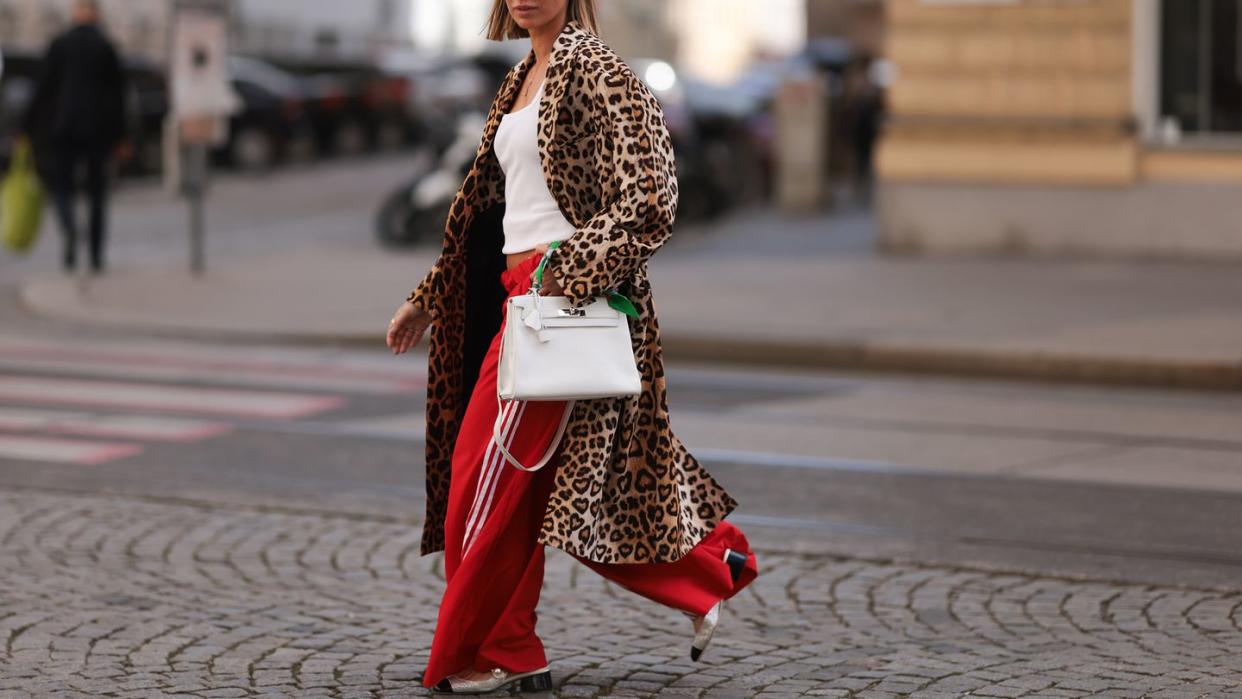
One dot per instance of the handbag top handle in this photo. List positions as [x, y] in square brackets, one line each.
[538, 284]
[616, 299]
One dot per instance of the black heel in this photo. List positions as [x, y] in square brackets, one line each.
[737, 564]
[536, 683]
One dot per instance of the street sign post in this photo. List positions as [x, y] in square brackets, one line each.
[202, 100]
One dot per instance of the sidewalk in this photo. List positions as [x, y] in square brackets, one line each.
[758, 288]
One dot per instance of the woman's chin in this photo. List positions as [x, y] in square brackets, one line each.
[530, 20]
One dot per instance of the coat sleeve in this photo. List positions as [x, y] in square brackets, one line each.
[421, 296]
[637, 217]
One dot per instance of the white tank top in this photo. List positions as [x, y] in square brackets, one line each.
[531, 214]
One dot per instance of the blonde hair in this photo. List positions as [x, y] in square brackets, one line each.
[501, 25]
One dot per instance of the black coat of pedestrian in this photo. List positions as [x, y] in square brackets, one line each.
[80, 95]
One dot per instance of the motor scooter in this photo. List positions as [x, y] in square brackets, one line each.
[415, 212]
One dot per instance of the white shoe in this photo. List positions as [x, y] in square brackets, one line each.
[705, 626]
[534, 681]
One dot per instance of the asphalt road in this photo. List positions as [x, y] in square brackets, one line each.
[341, 430]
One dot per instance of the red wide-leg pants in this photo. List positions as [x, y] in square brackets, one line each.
[493, 564]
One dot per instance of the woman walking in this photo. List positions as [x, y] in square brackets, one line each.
[575, 168]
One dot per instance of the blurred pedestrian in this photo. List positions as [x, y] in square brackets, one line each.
[864, 111]
[78, 110]
[575, 168]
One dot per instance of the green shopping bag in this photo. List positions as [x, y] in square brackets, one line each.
[21, 201]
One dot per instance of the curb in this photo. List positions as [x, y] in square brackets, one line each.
[1032, 366]
[859, 355]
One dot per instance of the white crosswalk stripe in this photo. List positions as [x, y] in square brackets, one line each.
[64, 450]
[197, 365]
[191, 399]
[159, 429]
[97, 401]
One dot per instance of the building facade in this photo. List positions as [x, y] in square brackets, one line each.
[355, 30]
[1084, 127]
[138, 25]
[712, 39]
[861, 22]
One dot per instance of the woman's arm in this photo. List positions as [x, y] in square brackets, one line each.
[414, 317]
[638, 218]
[426, 290]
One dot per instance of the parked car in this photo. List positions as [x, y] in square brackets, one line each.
[442, 88]
[273, 123]
[148, 108]
[732, 126]
[354, 107]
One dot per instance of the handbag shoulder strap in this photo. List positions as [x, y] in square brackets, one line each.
[556, 439]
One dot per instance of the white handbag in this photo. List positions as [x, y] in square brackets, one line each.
[550, 350]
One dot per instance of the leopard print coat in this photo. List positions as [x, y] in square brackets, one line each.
[627, 490]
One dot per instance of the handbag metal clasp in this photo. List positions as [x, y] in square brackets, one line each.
[575, 312]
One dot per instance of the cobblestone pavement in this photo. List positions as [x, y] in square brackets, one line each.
[108, 596]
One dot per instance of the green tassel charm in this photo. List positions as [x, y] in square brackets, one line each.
[618, 301]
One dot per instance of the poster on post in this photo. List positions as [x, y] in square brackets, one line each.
[202, 100]
[200, 86]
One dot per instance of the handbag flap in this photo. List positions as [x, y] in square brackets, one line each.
[558, 322]
[557, 312]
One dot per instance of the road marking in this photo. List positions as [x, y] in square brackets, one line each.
[409, 428]
[163, 397]
[818, 463]
[923, 534]
[818, 524]
[63, 450]
[158, 429]
[293, 373]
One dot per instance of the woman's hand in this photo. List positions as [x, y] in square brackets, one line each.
[551, 287]
[407, 327]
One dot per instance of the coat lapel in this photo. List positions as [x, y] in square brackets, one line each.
[557, 78]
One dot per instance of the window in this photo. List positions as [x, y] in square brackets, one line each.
[1201, 66]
